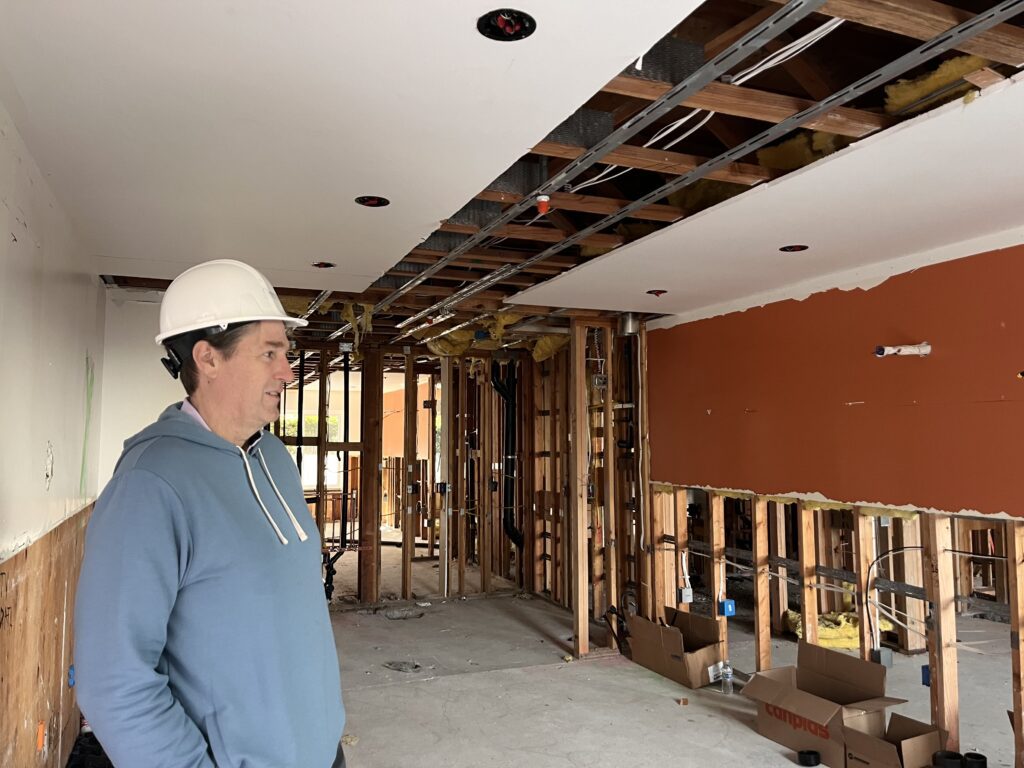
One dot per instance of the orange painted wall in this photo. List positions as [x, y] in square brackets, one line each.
[789, 397]
[394, 422]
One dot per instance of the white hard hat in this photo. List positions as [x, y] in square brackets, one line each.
[219, 292]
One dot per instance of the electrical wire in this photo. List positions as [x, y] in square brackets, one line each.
[875, 632]
[780, 56]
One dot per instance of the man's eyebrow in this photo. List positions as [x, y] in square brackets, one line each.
[277, 344]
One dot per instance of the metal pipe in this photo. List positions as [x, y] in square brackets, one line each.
[346, 367]
[506, 389]
[298, 432]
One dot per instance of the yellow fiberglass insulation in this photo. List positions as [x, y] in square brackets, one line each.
[548, 346]
[454, 344]
[903, 93]
[835, 630]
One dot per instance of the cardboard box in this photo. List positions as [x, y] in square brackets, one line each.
[809, 705]
[905, 743]
[683, 650]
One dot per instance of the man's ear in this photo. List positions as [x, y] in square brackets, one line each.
[206, 359]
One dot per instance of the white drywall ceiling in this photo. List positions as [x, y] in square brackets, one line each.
[945, 185]
[175, 132]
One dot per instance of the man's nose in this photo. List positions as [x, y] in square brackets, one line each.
[287, 375]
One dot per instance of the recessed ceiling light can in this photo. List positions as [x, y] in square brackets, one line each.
[324, 264]
[373, 201]
[506, 25]
[793, 248]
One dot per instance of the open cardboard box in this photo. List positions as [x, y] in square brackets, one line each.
[905, 743]
[809, 706]
[688, 649]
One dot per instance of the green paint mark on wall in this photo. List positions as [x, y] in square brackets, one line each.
[89, 381]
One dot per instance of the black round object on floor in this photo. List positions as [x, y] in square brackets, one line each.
[946, 759]
[808, 757]
[975, 760]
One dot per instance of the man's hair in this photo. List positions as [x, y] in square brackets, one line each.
[225, 342]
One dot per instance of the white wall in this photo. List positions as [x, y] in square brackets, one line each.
[51, 338]
[136, 387]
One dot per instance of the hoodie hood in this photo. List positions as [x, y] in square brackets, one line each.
[174, 423]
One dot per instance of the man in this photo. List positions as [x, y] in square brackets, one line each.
[202, 633]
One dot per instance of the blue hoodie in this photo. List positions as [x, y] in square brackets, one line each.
[201, 631]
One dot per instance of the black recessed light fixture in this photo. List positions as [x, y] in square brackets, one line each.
[373, 201]
[324, 264]
[657, 292]
[506, 25]
[793, 248]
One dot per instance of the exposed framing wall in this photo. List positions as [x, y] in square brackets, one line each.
[39, 718]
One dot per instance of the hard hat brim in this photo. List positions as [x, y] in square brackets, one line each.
[291, 322]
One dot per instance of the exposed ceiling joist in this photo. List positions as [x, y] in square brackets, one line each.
[722, 41]
[659, 161]
[461, 275]
[752, 103]
[536, 234]
[590, 204]
[925, 19]
[493, 258]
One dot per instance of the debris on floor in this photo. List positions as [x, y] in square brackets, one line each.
[423, 605]
[567, 658]
[403, 666]
[396, 614]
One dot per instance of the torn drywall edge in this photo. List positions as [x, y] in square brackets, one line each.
[28, 538]
[861, 278]
[877, 272]
[817, 497]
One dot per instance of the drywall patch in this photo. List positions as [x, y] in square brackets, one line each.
[48, 465]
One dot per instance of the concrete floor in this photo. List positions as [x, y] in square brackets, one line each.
[425, 580]
[493, 689]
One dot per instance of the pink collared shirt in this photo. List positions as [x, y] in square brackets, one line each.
[187, 407]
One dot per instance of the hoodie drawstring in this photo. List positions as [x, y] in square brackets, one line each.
[252, 484]
[298, 528]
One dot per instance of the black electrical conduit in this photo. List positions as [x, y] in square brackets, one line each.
[788, 15]
[506, 389]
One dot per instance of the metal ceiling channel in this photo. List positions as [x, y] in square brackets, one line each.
[941, 43]
[788, 15]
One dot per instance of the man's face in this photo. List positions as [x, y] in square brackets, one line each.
[250, 382]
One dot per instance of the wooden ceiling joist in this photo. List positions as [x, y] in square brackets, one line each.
[925, 19]
[534, 233]
[660, 161]
[477, 259]
[602, 206]
[740, 101]
[461, 275]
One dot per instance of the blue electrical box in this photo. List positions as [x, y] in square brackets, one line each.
[727, 607]
[926, 675]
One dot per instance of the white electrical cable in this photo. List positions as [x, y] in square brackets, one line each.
[896, 621]
[780, 56]
[788, 51]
